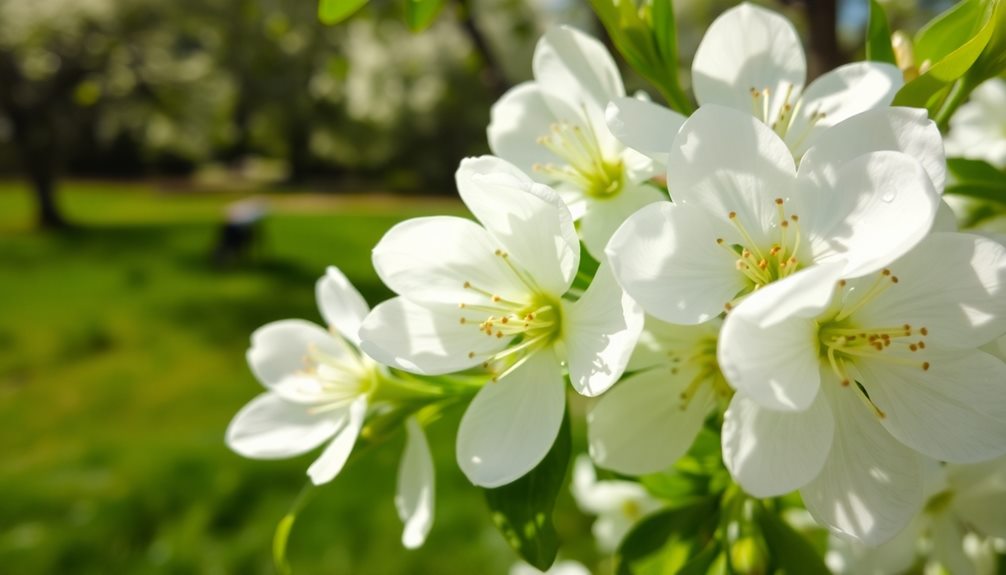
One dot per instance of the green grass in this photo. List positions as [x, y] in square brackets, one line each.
[122, 362]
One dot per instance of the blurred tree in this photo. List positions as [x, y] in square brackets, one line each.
[46, 50]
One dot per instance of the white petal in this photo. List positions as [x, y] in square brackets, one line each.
[427, 339]
[644, 126]
[948, 546]
[839, 94]
[601, 330]
[278, 349]
[946, 219]
[871, 485]
[666, 257]
[517, 120]
[659, 338]
[604, 215]
[601, 497]
[727, 162]
[980, 495]
[961, 303]
[907, 130]
[577, 68]
[964, 392]
[641, 426]
[769, 347]
[269, 427]
[882, 204]
[430, 259]
[341, 304]
[748, 47]
[511, 424]
[770, 453]
[895, 556]
[529, 220]
[416, 491]
[331, 461]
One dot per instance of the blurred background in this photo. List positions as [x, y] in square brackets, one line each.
[176, 173]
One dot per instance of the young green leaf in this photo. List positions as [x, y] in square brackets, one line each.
[951, 43]
[334, 11]
[977, 179]
[522, 510]
[948, 31]
[668, 540]
[878, 36]
[419, 14]
[992, 62]
[790, 552]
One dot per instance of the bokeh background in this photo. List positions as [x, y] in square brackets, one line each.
[131, 133]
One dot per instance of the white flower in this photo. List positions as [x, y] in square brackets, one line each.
[650, 419]
[843, 386]
[964, 510]
[743, 216]
[567, 567]
[978, 128]
[319, 387]
[751, 59]
[554, 128]
[618, 504]
[493, 296]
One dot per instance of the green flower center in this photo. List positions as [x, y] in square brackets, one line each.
[700, 358]
[762, 264]
[780, 113]
[586, 167]
[844, 340]
[532, 323]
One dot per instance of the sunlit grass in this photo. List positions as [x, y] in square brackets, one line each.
[121, 363]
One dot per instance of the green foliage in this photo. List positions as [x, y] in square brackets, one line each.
[419, 14]
[122, 361]
[977, 179]
[646, 36]
[992, 62]
[789, 551]
[522, 510]
[952, 43]
[878, 36]
[332, 12]
[665, 541]
[956, 52]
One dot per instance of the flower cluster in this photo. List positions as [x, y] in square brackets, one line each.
[778, 266]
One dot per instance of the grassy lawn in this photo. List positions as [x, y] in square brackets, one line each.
[122, 362]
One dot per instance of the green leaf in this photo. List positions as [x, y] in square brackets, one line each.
[419, 14]
[977, 179]
[665, 541]
[334, 11]
[878, 36]
[522, 510]
[948, 31]
[790, 552]
[992, 62]
[279, 542]
[700, 564]
[948, 42]
[647, 39]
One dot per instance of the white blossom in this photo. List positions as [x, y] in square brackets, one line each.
[494, 295]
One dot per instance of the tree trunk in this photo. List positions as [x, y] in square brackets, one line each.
[49, 217]
[37, 145]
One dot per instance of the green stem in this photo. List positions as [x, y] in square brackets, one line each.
[958, 94]
[282, 534]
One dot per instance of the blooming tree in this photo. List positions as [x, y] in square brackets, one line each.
[776, 314]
